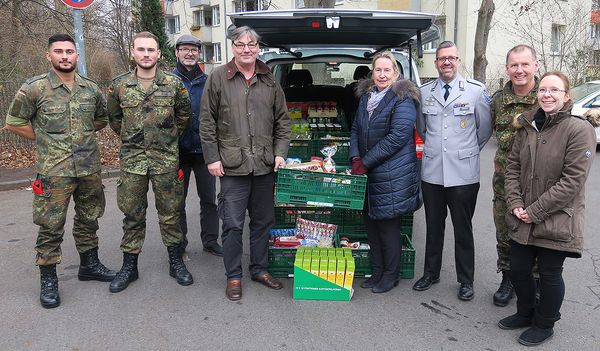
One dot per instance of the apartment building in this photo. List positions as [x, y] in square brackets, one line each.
[566, 33]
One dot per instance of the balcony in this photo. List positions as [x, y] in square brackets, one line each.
[204, 34]
[198, 3]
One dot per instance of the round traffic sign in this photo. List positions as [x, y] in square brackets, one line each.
[78, 4]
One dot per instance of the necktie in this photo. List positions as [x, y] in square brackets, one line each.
[447, 93]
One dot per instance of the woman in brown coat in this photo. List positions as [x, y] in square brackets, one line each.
[545, 192]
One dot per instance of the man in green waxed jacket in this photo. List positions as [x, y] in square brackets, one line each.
[149, 109]
[61, 111]
[517, 96]
[245, 133]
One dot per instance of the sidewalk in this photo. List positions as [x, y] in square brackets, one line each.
[22, 177]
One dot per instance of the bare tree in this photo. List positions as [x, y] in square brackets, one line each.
[484, 21]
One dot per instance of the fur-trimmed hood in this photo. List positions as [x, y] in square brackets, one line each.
[403, 88]
[593, 116]
[527, 117]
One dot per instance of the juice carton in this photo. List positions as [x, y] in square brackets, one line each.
[323, 267]
[349, 279]
[341, 271]
[331, 269]
[314, 265]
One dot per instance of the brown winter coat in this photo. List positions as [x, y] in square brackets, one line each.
[545, 175]
[244, 126]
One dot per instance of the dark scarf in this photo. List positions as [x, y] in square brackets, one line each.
[192, 74]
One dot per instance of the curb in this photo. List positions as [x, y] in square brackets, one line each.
[21, 183]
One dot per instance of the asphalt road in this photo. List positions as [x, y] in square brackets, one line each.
[155, 313]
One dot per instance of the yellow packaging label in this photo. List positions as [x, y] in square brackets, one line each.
[340, 271]
[306, 263]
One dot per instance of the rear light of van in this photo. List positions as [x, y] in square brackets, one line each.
[419, 144]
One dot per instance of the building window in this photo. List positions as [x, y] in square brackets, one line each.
[250, 5]
[557, 36]
[172, 25]
[595, 30]
[217, 51]
[216, 15]
[211, 52]
[440, 22]
[595, 4]
[595, 58]
[198, 18]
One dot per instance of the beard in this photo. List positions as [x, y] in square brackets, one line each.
[147, 65]
[65, 69]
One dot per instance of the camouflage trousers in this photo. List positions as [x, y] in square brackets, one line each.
[500, 210]
[50, 213]
[132, 200]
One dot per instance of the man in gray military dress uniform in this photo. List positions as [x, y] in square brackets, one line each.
[455, 125]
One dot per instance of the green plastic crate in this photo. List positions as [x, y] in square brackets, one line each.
[301, 149]
[362, 258]
[320, 189]
[281, 262]
[343, 146]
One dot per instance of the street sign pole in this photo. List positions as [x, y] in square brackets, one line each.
[78, 23]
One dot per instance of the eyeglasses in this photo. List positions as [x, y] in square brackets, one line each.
[187, 50]
[551, 91]
[251, 45]
[450, 59]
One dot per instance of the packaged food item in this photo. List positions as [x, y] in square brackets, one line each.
[328, 163]
[292, 161]
[305, 166]
[322, 233]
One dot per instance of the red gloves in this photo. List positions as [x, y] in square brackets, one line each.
[358, 167]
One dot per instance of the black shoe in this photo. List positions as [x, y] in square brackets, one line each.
[535, 336]
[371, 282]
[505, 291]
[127, 274]
[466, 292]
[425, 282]
[516, 321]
[49, 287]
[92, 269]
[214, 249]
[177, 268]
[384, 286]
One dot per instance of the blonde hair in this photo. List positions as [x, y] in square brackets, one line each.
[388, 55]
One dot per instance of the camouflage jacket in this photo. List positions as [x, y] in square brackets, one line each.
[149, 121]
[64, 121]
[505, 106]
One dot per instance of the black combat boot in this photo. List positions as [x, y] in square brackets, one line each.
[127, 274]
[92, 269]
[505, 291]
[49, 287]
[177, 268]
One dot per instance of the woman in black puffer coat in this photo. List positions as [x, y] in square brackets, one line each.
[382, 146]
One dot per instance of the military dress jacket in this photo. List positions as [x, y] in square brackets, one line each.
[244, 125]
[64, 121]
[454, 131]
[149, 121]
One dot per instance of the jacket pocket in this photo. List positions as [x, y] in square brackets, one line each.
[558, 227]
[230, 152]
[469, 162]
[55, 119]
[512, 222]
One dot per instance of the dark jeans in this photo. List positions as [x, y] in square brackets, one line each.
[238, 194]
[385, 240]
[552, 286]
[206, 190]
[461, 201]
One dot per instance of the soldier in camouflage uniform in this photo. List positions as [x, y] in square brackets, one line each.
[517, 96]
[61, 111]
[149, 109]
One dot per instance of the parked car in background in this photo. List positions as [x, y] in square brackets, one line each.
[585, 97]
